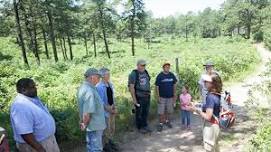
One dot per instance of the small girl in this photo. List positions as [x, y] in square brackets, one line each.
[185, 103]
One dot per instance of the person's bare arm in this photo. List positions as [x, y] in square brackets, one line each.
[157, 93]
[85, 121]
[30, 140]
[174, 93]
[206, 115]
[132, 91]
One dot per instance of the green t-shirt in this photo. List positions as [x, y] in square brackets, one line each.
[90, 102]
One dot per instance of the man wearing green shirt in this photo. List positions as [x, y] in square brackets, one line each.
[91, 111]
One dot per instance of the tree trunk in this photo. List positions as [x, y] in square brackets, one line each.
[186, 30]
[65, 48]
[70, 47]
[104, 34]
[186, 34]
[94, 44]
[52, 34]
[36, 45]
[62, 49]
[20, 34]
[133, 28]
[45, 43]
[86, 44]
[32, 32]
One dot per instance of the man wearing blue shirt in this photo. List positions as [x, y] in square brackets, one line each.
[106, 91]
[91, 110]
[165, 83]
[33, 126]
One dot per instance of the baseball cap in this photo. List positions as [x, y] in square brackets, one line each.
[91, 72]
[141, 62]
[166, 63]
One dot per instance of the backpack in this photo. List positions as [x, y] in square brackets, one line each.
[137, 77]
[227, 116]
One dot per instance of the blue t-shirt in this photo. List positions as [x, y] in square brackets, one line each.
[165, 82]
[213, 102]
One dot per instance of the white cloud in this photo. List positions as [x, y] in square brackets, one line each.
[162, 8]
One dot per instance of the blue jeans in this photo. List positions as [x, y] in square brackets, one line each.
[94, 141]
[185, 115]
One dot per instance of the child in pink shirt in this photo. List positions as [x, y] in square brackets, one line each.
[185, 103]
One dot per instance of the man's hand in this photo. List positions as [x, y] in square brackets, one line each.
[83, 126]
[137, 105]
[159, 100]
[41, 149]
[30, 140]
[114, 110]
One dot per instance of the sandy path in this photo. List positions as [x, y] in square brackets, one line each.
[176, 140]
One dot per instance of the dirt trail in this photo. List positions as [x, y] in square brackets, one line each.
[177, 140]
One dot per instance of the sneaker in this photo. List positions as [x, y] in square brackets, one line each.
[183, 127]
[143, 131]
[148, 129]
[188, 127]
[160, 127]
[168, 124]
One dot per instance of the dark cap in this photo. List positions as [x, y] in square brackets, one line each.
[91, 72]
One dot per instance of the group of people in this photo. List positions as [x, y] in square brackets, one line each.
[34, 126]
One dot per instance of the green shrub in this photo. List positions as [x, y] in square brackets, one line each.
[58, 82]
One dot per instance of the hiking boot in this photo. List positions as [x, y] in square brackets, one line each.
[160, 127]
[113, 145]
[107, 148]
[148, 129]
[168, 124]
[143, 131]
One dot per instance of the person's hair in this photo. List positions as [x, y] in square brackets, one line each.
[216, 83]
[23, 84]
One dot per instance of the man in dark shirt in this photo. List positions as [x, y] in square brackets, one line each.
[139, 86]
[165, 83]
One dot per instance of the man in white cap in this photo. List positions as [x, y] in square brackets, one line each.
[91, 110]
[139, 86]
[208, 69]
[166, 84]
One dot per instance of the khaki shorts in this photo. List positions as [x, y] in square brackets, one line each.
[211, 136]
[165, 106]
[49, 144]
[110, 129]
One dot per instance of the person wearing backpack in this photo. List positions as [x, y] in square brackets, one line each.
[139, 87]
[208, 70]
[210, 112]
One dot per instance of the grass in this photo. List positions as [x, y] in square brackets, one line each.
[58, 82]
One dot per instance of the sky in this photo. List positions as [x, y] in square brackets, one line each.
[163, 8]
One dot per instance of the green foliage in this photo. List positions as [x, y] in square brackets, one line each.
[258, 36]
[58, 83]
[262, 141]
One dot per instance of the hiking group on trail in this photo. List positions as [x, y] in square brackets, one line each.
[34, 127]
